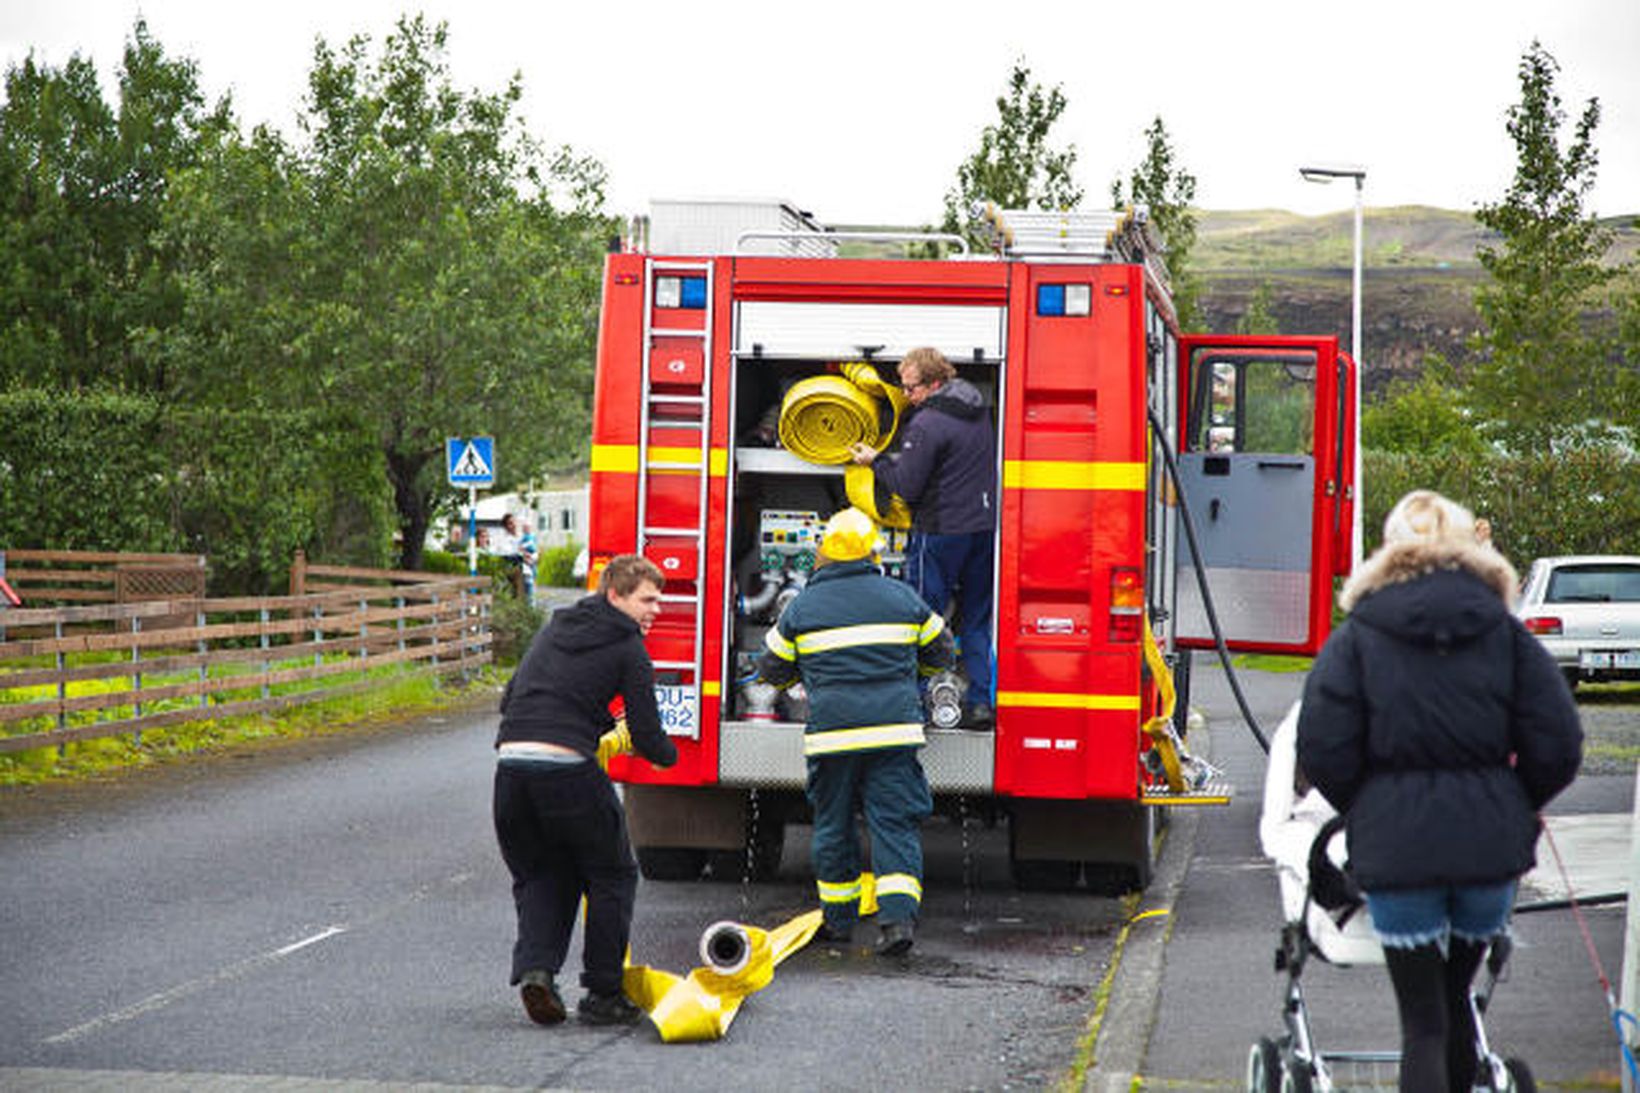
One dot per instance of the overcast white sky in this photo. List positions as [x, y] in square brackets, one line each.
[861, 111]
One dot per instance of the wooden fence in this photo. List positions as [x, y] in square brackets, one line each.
[47, 577]
[106, 669]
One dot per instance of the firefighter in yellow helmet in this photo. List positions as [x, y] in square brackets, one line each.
[856, 638]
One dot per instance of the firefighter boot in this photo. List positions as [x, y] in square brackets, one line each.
[896, 938]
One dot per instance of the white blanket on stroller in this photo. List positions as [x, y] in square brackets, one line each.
[1286, 829]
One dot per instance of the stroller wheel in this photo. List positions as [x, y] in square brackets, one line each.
[1264, 1067]
[1296, 1077]
[1520, 1076]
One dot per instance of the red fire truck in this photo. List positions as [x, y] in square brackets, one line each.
[1069, 330]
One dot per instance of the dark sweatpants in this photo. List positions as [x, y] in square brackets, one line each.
[563, 835]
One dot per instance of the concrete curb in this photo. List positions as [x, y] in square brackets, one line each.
[1135, 992]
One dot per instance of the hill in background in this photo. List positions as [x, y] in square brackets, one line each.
[1418, 282]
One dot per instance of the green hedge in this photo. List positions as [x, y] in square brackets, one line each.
[1584, 501]
[106, 470]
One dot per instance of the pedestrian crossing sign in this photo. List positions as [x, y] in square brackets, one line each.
[470, 461]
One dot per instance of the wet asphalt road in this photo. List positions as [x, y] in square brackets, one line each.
[337, 910]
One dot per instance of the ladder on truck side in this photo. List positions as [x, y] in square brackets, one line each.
[676, 404]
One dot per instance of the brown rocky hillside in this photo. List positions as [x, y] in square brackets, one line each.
[1418, 283]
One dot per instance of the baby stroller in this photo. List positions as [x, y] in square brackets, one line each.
[1324, 916]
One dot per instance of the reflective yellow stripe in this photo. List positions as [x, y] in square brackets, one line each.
[846, 637]
[899, 884]
[778, 645]
[1066, 474]
[863, 739]
[1060, 701]
[623, 458]
[844, 892]
[615, 457]
[930, 629]
[711, 687]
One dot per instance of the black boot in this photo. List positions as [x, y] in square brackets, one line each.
[1419, 977]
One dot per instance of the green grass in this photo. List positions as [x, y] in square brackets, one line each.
[403, 694]
[1269, 662]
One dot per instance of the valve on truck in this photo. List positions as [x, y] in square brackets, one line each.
[943, 699]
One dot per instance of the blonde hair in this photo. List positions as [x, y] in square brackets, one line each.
[929, 365]
[1425, 516]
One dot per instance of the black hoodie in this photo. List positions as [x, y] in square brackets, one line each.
[589, 653]
[1435, 722]
[945, 463]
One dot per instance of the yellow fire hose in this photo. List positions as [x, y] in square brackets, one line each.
[821, 416]
[1163, 737]
[737, 960]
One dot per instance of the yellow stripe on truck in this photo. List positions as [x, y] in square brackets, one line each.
[1065, 474]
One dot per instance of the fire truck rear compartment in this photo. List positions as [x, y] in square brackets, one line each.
[776, 505]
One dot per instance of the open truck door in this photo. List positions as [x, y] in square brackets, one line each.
[1267, 466]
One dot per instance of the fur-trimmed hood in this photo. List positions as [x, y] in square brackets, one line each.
[1403, 561]
[1434, 593]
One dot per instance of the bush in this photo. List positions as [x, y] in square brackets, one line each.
[106, 470]
[513, 623]
[1580, 501]
[557, 566]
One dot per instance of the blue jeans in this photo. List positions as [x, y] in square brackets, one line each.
[1405, 918]
[940, 567]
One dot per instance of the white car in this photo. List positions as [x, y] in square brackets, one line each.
[1585, 608]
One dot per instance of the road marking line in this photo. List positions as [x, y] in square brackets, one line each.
[193, 986]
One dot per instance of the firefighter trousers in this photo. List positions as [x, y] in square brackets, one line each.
[888, 786]
[563, 835]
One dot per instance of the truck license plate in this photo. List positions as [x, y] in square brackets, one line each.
[1626, 658]
[1590, 659]
[680, 710]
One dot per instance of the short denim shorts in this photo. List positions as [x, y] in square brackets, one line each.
[1404, 918]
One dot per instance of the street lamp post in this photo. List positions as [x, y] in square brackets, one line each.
[1326, 173]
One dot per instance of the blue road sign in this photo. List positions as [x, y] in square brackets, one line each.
[470, 461]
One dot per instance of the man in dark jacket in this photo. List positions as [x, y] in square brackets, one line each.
[856, 638]
[561, 827]
[1439, 727]
[945, 468]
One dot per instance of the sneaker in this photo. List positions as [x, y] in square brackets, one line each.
[896, 939]
[608, 1009]
[541, 999]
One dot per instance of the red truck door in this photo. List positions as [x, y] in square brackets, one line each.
[1267, 467]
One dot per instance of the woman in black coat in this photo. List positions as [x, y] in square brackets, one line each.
[1439, 727]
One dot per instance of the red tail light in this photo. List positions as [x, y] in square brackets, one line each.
[1127, 604]
[1543, 624]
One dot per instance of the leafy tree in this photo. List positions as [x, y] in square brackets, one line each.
[1423, 415]
[83, 282]
[419, 259]
[1544, 378]
[1167, 189]
[1014, 166]
[1260, 316]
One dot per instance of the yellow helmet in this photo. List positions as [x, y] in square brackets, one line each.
[850, 535]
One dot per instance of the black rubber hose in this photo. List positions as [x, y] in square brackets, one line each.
[1157, 427]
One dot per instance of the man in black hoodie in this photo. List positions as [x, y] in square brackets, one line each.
[560, 824]
[945, 466]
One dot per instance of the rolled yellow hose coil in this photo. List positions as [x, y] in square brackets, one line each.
[820, 418]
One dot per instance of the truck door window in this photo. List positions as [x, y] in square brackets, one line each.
[1248, 401]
